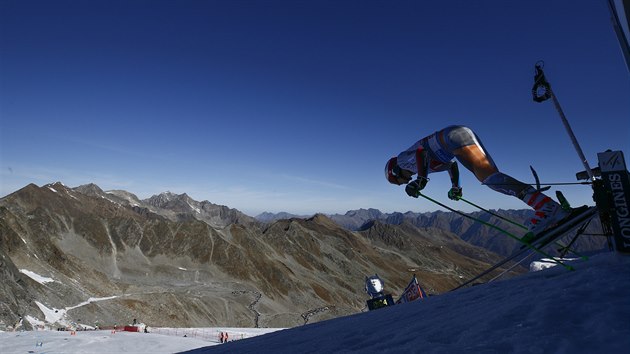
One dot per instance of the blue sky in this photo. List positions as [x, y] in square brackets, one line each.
[296, 105]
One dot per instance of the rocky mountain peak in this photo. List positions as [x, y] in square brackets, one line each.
[168, 197]
[90, 189]
[365, 213]
[130, 198]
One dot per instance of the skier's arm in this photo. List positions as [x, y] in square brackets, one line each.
[422, 162]
[453, 172]
[455, 193]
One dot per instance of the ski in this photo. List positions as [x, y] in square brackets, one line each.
[565, 205]
[528, 245]
[581, 215]
[572, 221]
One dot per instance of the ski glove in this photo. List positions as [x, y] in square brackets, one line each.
[413, 188]
[455, 193]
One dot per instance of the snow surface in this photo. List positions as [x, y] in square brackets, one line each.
[38, 278]
[548, 311]
[53, 315]
[197, 210]
[158, 340]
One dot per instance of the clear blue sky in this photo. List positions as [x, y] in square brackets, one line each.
[296, 105]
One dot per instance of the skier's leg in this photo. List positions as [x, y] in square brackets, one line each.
[505, 184]
[470, 152]
[465, 145]
[547, 212]
[476, 161]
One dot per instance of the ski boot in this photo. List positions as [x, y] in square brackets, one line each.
[547, 213]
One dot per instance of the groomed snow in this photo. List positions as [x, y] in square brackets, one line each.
[94, 342]
[158, 340]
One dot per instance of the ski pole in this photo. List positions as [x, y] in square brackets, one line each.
[516, 264]
[529, 245]
[563, 247]
[470, 217]
[493, 214]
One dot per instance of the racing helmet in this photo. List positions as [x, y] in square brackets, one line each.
[392, 171]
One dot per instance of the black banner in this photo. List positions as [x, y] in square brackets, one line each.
[616, 180]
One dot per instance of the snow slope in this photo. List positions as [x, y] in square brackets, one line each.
[93, 342]
[549, 311]
[160, 340]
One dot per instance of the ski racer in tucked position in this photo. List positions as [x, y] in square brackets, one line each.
[438, 151]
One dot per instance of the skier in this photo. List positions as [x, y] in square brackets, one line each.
[438, 151]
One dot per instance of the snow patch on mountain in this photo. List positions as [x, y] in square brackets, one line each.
[38, 278]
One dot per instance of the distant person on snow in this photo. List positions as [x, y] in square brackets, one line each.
[436, 153]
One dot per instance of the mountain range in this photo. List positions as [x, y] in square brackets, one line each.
[470, 229]
[84, 257]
